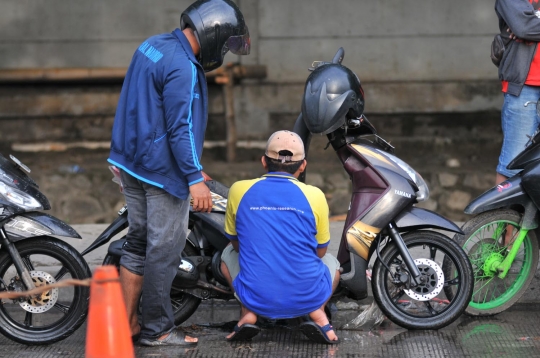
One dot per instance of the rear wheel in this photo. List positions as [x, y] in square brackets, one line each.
[484, 243]
[183, 304]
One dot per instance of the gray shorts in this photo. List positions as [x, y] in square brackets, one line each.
[230, 258]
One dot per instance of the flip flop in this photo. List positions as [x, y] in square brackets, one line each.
[175, 338]
[244, 333]
[317, 333]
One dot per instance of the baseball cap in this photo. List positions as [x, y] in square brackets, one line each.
[285, 140]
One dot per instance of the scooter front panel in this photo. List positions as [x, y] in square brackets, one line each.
[530, 178]
[360, 236]
[528, 156]
[378, 158]
[381, 191]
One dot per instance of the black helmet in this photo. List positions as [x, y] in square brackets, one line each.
[219, 26]
[332, 95]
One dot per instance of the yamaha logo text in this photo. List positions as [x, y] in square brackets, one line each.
[402, 193]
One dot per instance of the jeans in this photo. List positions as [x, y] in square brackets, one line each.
[154, 243]
[517, 123]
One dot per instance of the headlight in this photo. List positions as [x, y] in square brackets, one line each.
[19, 198]
[423, 191]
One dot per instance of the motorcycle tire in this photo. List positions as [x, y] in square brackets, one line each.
[56, 314]
[184, 305]
[425, 306]
[483, 242]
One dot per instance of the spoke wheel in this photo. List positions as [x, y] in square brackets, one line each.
[487, 239]
[55, 314]
[426, 305]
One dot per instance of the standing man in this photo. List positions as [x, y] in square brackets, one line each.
[279, 230]
[157, 141]
[519, 71]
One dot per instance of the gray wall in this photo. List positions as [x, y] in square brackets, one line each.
[420, 40]
[412, 56]
[430, 86]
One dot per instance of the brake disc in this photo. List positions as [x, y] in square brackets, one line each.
[44, 301]
[432, 281]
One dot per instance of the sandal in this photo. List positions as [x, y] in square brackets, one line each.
[317, 333]
[244, 333]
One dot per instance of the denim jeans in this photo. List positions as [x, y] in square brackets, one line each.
[517, 123]
[155, 240]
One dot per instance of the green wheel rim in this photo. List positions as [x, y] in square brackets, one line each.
[489, 290]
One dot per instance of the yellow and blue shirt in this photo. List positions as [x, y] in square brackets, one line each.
[279, 223]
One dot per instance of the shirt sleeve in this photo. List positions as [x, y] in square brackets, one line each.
[321, 212]
[520, 17]
[178, 95]
[230, 213]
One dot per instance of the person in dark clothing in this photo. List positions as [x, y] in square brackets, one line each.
[519, 71]
[157, 141]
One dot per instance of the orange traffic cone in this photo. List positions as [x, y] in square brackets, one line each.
[108, 333]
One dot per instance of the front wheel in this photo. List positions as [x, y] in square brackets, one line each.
[425, 306]
[488, 238]
[55, 314]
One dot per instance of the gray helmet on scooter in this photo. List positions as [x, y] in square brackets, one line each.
[332, 95]
[219, 27]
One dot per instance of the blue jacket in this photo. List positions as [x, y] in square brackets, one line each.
[159, 126]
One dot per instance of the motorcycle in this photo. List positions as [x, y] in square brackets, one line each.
[199, 274]
[421, 278]
[409, 281]
[501, 239]
[31, 257]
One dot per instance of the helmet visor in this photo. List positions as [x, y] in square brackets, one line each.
[239, 45]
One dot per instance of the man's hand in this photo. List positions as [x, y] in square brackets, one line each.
[202, 198]
[511, 35]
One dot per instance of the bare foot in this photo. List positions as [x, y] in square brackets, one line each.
[248, 317]
[319, 317]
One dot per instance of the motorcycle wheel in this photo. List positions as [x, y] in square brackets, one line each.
[484, 242]
[56, 314]
[184, 305]
[425, 306]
